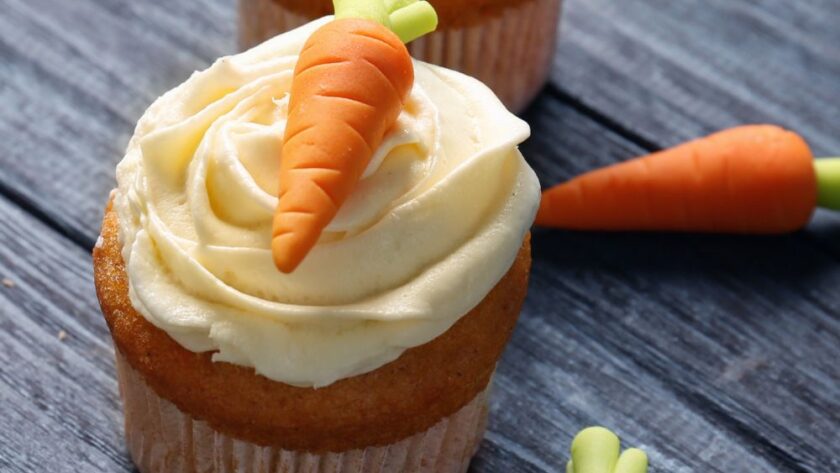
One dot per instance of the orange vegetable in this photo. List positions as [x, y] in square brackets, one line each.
[749, 179]
[349, 85]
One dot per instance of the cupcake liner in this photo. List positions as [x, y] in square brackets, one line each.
[511, 51]
[162, 439]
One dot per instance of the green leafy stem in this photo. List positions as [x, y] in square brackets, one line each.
[409, 19]
[828, 182]
[596, 450]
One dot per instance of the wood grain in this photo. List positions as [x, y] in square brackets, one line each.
[690, 67]
[712, 353]
[744, 329]
[58, 401]
[76, 77]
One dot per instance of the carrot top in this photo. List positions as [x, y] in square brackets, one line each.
[828, 182]
[408, 19]
[596, 450]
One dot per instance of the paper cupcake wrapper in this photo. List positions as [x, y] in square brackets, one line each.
[511, 51]
[162, 439]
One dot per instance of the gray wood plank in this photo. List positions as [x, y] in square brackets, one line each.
[742, 328]
[59, 407]
[76, 77]
[687, 68]
[690, 67]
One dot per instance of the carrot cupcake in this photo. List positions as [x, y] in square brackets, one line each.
[373, 347]
[507, 44]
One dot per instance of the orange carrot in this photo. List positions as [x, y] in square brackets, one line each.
[749, 179]
[349, 85]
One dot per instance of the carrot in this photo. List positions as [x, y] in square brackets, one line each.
[350, 83]
[749, 179]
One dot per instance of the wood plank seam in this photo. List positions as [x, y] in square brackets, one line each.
[609, 123]
[15, 197]
[752, 437]
[12, 52]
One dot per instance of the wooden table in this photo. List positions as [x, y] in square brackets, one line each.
[713, 353]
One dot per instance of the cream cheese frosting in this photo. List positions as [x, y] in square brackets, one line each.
[433, 225]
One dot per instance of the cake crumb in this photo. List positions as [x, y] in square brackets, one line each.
[100, 242]
[8, 282]
[62, 335]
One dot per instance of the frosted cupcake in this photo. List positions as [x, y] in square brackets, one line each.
[507, 44]
[377, 351]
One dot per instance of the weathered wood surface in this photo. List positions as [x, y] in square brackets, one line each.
[58, 405]
[76, 76]
[713, 353]
[690, 67]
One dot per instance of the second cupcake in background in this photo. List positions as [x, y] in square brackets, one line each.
[507, 44]
[347, 318]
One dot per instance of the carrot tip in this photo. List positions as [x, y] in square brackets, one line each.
[544, 213]
[284, 260]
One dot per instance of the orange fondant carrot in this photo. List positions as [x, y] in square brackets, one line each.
[349, 85]
[749, 179]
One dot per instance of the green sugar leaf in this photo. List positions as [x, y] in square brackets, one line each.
[828, 182]
[413, 21]
[408, 19]
[596, 450]
[373, 10]
[393, 5]
[632, 460]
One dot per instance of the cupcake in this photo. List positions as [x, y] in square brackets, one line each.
[507, 44]
[376, 353]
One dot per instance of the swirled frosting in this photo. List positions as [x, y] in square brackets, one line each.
[434, 224]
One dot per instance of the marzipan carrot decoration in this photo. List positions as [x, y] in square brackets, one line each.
[750, 179]
[350, 83]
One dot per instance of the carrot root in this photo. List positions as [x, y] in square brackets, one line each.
[350, 83]
[749, 179]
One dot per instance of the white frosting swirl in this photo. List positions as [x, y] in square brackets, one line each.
[434, 224]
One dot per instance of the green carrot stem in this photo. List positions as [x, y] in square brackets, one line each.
[828, 182]
[394, 5]
[373, 10]
[632, 460]
[408, 19]
[413, 21]
[595, 450]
